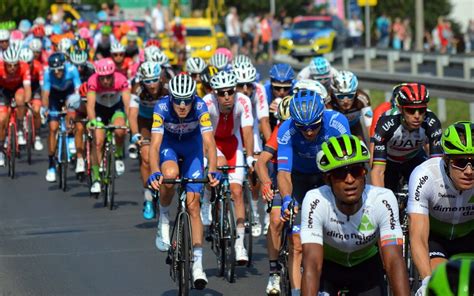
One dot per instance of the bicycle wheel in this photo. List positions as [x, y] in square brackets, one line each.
[285, 286]
[229, 235]
[110, 189]
[63, 164]
[184, 254]
[248, 240]
[12, 156]
[218, 241]
[105, 175]
[29, 132]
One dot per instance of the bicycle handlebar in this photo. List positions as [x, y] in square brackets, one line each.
[110, 127]
[185, 181]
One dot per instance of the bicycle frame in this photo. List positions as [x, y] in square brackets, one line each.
[12, 122]
[62, 134]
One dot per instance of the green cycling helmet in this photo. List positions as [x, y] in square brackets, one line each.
[341, 151]
[452, 278]
[457, 139]
[106, 30]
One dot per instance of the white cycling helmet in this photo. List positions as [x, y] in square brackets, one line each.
[150, 51]
[79, 57]
[149, 71]
[36, 45]
[16, 44]
[245, 73]
[159, 57]
[117, 47]
[223, 80]
[219, 60]
[26, 55]
[240, 59]
[48, 30]
[4, 35]
[344, 82]
[195, 65]
[313, 85]
[182, 87]
[11, 55]
[65, 45]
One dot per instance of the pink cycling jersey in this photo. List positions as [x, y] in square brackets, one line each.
[108, 97]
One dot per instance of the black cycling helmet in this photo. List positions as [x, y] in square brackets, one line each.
[207, 74]
[56, 60]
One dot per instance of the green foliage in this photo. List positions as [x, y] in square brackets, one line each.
[22, 9]
[245, 7]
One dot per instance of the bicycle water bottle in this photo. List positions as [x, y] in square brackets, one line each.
[71, 145]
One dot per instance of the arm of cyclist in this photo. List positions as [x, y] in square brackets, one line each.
[313, 255]
[265, 128]
[419, 233]
[378, 158]
[434, 133]
[378, 174]
[91, 98]
[156, 177]
[211, 152]
[247, 133]
[396, 269]
[126, 100]
[262, 172]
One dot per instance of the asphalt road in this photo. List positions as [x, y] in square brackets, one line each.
[56, 243]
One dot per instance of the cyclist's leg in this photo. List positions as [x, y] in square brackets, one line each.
[97, 152]
[170, 170]
[81, 113]
[55, 105]
[4, 115]
[21, 110]
[144, 125]
[438, 250]
[274, 234]
[119, 119]
[392, 175]
[36, 108]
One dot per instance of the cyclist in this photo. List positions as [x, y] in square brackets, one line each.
[15, 82]
[247, 84]
[4, 41]
[319, 69]
[231, 117]
[178, 34]
[343, 222]
[299, 139]
[122, 64]
[351, 101]
[195, 67]
[455, 277]
[36, 71]
[60, 88]
[132, 44]
[266, 173]
[108, 100]
[399, 139]
[206, 76]
[181, 128]
[220, 61]
[145, 94]
[279, 86]
[441, 203]
[103, 42]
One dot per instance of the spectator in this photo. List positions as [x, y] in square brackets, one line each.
[248, 31]
[158, 19]
[428, 43]
[443, 42]
[232, 27]
[449, 36]
[355, 28]
[148, 19]
[408, 35]
[266, 31]
[257, 35]
[470, 36]
[398, 33]
[103, 13]
[58, 16]
[382, 31]
[276, 33]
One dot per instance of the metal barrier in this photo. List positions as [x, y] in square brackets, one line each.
[441, 86]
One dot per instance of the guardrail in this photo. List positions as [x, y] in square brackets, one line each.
[440, 86]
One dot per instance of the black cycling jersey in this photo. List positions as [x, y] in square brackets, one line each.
[86, 71]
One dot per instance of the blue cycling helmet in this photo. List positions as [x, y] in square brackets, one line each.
[24, 26]
[282, 73]
[319, 66]
[306, 107]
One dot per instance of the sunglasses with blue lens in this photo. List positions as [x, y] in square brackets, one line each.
[309, 127]
[185, 101]
[349, 96]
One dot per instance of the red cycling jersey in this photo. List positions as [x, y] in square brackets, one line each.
[17, 80]
[126, 67]
[37, 72]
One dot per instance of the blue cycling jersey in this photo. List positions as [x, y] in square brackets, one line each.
[167, 122]
[70, 79]
[295, 153]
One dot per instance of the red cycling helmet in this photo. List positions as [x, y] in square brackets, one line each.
[38, 31]
[411, 95]
[152, 42]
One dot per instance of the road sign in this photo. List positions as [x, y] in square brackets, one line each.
[367, 2]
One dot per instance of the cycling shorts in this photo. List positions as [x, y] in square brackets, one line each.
[232, 150]
[6, 97]
[394, 171]
[191, 152]
[35, 90]
[440, 247]
[144, 127]
[109, 114]
[336, 278]
[57, 100]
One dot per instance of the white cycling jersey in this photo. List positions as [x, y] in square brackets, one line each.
[259, 110]
[350, 240]
[432, 192]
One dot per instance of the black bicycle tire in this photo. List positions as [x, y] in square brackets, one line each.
[230, 228]
[104, 177]
[285, 285]
[184, 255]
[217, 236]
[111, 181]
[64, 160]
[12, 160]
[29, 137]
[249, 220]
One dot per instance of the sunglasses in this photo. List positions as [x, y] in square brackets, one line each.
[243, 85]
[11, 66]
[412, 111]
[106, 77]
[281, 88]
[349, 96]
[185, 101]
[194, 75]
[223, 93]
[151, 81]
[310, 127]
[462, 163]
[118, 54]
[356, 171]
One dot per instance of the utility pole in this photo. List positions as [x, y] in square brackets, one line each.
[272, 7]
[367, 24]
[419, 25]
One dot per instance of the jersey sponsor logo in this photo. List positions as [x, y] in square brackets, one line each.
[391, 240]
[393, 222]
[387, 125]
[446, 195]
[246, 106]
[205, 120]
[285, 138]
[199, 105]
[379, 147]
[312, 207]
[337, 124]
[421, 182]
[431, 122]
[157, 121]
[377, 137]
[163, 107]
[361, 238]
[365, 224]
[438, 132]
[407, 144]
[466, 210]
[336, 221]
